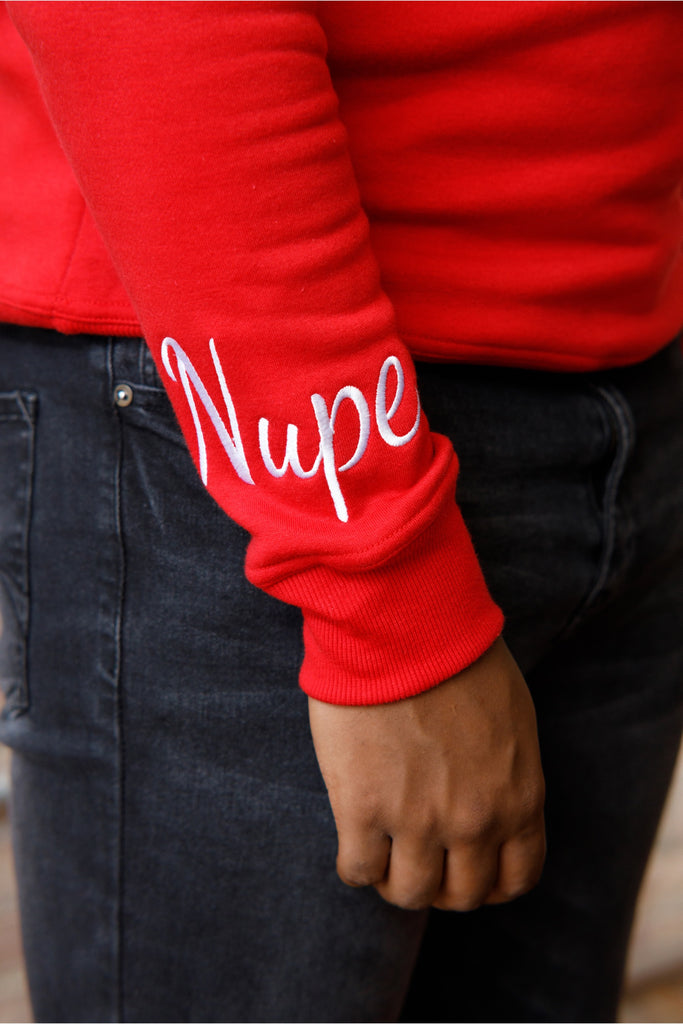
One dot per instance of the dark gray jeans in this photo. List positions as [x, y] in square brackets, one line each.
[174, 843]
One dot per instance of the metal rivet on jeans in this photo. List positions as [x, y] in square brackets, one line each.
[123, 395]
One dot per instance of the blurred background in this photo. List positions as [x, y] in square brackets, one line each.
[654, 991]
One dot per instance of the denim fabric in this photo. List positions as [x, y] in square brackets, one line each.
[175, 847]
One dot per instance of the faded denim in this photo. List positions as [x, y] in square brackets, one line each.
[175, 846]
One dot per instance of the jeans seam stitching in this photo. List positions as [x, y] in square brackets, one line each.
[118, 954]
[624, 445]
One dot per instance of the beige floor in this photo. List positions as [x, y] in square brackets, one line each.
[655, 991]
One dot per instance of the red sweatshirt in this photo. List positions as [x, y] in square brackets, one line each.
[488, 182]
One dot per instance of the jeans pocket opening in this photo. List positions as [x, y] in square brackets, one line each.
[17, 443]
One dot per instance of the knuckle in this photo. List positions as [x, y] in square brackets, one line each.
[533, 878]
[475, 825]
[462, 902]
[415, 899]
[531, 834]
[423, 827]
[359, 874]
[357, 812]
[512, 892]
[355, 879]
[533, 800]
[511, 889]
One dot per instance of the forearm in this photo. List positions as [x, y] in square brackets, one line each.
[206, 141]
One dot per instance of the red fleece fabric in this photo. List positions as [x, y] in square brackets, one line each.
[520, 166]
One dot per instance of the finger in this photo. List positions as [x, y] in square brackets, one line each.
[414, 875]
[470, 873]
[520, 863]
[362, 856]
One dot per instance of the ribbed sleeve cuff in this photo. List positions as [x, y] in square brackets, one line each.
[397, 629]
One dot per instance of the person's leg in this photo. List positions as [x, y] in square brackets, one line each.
[175, 846]
[174, 842]
[58, 543]
[573, 490]
[231, 906]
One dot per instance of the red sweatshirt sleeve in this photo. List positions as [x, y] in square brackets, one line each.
[206, 141]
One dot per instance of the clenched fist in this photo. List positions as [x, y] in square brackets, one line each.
[438, 799]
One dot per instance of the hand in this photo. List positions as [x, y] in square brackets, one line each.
[438, 799]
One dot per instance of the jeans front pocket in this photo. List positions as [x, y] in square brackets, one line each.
[17, 430]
